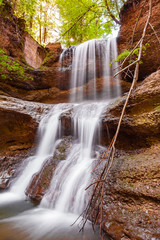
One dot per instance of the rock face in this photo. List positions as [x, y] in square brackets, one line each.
[16, 42]
[17, 130]
[141, 123]
[18, 126]
[53, 52]
[34, 53]
[17, 133]
[132, 196]
[128, 17]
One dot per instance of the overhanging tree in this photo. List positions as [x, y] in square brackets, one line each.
[87, 19]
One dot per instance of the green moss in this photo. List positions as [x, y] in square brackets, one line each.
[157, 108]
[62, 149]
[43, 68]
[11, 69]
[49, 56]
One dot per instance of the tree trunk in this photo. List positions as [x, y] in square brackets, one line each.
[14, 6]
[40, 26]
[31, 22]
[45, 28]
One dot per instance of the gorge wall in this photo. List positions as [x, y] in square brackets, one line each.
[128, 18]
[16, 41]
[132, 193]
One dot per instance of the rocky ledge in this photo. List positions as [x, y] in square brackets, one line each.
[132, 196]
[18, 126]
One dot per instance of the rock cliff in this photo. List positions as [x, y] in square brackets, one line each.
[16, 42]
[128, 18]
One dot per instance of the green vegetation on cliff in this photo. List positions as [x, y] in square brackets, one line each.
[11, 69]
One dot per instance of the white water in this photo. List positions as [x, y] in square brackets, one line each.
[67, 190]
[66, 197]
[91, 60]
[47, 132]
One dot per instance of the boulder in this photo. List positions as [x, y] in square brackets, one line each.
[41, 181]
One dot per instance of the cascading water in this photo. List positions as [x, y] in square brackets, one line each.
[47, 131]
[66, 192]
[66, 197]
[91, 61]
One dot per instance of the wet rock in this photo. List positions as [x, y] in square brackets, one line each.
[128, 17]
[141, 123]
[5, 176]
[33, 109]
[41, 181]
[17, 134]
[10, 162]
[17, 131]
[18, 126]
[132, 196]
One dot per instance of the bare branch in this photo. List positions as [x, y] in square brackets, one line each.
[110, 13]
[126, 67]
[137, 22]
[130, 53]
[154, 32]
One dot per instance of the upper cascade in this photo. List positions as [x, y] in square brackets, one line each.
[92, 75]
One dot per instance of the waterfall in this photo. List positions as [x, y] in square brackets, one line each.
[67, 190]
[47, 132]
[66, 197]
[91, 61]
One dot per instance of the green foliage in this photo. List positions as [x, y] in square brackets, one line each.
[48, 57]
[11, 69]
[134, 54]
[75, 20]
[86, 19]
[157, 108]
[39, 16]
[1, 3]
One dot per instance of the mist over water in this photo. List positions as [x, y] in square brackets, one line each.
[66, 197]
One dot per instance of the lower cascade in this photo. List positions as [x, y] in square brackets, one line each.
[66, 198]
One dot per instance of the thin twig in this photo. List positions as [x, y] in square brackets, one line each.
[126, 68]
[130, 54]
[137, 22]
[154, 32]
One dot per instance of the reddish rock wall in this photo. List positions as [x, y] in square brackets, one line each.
[16, 42]
[128, 17]
[34, 53]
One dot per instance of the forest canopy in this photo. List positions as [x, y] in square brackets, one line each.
[68, 21]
